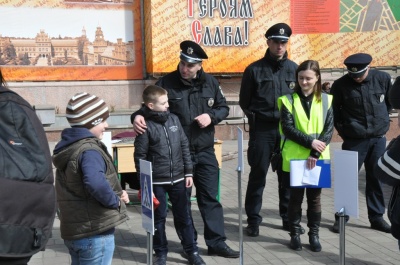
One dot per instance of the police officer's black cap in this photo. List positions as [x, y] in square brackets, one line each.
[357, 64]
[191, 52]
[394, 94]
[280, 31]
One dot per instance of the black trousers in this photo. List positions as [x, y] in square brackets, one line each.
[182, 220]
[369, 150]
[206, 179]
[264, 138]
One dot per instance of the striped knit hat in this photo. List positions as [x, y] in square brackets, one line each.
[85, 110]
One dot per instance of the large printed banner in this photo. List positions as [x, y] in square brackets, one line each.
[70, 40]
[232, 31]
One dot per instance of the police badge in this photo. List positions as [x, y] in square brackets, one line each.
[292, 85]
[282, 31]
[189, 50]
[382, 98]
[210, 102]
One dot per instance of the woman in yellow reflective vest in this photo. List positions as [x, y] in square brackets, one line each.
[307, 125]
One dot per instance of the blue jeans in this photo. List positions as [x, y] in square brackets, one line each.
[94, 250]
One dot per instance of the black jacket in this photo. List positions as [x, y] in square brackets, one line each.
[188, 100]
[388, 171]
[361, 110]
[165, 145]
[264, 81]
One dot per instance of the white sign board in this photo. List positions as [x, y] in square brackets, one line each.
[107, 142]
[146, 186]
[346, 181]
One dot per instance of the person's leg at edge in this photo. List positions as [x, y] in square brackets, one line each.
[160, 243]
[294, 214]
[206, 178]
[314, 217]
[92, 250]
[373, 190]
[183, 222]
[261, 145]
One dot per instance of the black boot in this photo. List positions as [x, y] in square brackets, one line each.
[314, 220]
[335, 227]
[295, 231]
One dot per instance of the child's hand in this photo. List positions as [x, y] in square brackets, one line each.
[189, 182]
[125, 197]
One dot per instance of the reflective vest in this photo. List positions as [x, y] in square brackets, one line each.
[313, 126]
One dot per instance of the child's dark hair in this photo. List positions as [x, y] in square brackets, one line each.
[152, 93]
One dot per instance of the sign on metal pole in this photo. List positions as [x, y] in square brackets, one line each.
[146, 186]
[240, 169]
[346, 191]
[346, 182]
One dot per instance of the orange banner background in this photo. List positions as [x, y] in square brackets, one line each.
[168, 23]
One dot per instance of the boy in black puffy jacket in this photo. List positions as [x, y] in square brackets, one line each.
[165, 145]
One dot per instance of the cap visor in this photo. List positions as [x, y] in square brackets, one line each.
[189, 60]
[357, 75]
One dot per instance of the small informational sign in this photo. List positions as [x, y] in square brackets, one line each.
[146, 186]
[346, 182]
[107, 142]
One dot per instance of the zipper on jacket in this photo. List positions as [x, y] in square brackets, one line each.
[170, 155]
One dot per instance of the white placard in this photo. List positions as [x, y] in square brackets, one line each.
[107, 141]
[346, 182]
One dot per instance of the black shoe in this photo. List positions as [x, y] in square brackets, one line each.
[335, 226]
[315, 245]
[295, 242]
[195, 259]
[252, 231]
[286, 227]
[225, 252]
[381, 225]
[160, 259]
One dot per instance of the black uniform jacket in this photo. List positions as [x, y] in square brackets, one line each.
[361, 110]
[165, 145]
[264, 81]
[188, 100]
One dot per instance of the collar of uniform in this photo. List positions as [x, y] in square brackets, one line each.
[272, 59]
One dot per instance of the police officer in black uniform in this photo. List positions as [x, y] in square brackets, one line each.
[197, 99]
[264, 81]
[361, 115]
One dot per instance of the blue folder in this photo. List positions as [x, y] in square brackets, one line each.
[325, 175]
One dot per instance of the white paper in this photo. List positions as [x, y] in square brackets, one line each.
[311, 177]
[300, 175]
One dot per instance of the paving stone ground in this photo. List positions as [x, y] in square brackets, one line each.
[362, 244]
